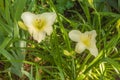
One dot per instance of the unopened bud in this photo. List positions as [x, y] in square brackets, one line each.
[118, 25]
[68, 53]
[22, 25]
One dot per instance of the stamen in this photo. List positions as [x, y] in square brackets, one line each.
[86, 39]
[39, 24]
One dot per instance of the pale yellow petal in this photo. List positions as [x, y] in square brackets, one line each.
[39, 36]
[28, 18]
[80, 47]
[74, 35]
[48, 30]
[92, 34]
[88, 38]
[92, 47]
[49, 18]
[93, 50]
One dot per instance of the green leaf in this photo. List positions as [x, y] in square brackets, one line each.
[1, 37]
[62, 5]
[5, 43]
[7, 12]
[19, 6]
[113, 3]
[6, 54]
[2, 4]
[111, 14]
[119, 5]
[85, 9]
[113, 63]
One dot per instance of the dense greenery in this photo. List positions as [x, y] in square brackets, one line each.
[22, 58]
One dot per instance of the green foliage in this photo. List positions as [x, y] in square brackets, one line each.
[23, 58]
[9, 33]
[107, 5]
[62, 5]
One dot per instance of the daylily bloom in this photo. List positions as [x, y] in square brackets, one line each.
[84, 41]
[39, 25]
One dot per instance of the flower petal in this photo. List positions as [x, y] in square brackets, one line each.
[80, 47]
[92, 34]
[39, 36]
[49, 17]
[28, 18]
[39, 25]
[93, 50]
[88, 38]
[74, 35]
[48, 30]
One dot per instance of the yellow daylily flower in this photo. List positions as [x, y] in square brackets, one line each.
[84, 41]
[39, 25]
